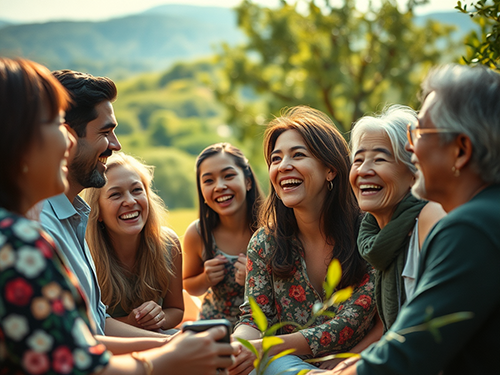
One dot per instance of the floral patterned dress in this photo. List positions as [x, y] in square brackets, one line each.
[292, 299]
[224, 299]
[44, 326]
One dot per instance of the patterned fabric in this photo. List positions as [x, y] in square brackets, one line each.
[224, 299]
[292, 299]
[44, 325]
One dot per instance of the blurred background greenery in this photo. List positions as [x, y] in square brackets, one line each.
[190, 76]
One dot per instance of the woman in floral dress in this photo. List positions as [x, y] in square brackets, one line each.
[309, 218]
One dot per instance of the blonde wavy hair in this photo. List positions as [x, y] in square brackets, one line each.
[157, 248]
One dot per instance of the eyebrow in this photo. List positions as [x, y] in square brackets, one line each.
[222, 170]
[109, 125]
[291, 149]
[119, 187]
[377, 149]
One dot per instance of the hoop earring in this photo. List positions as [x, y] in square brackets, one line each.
[456, 172]
[330, 185]
[277, 196]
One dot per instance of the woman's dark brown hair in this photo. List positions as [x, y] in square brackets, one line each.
[25, 88]
[340, 215]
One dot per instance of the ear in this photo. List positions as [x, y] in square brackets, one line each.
[332, 173]
[248, 183]
[463, 151]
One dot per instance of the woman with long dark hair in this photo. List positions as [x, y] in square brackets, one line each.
[309, 218]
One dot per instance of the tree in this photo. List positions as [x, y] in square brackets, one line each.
[341, 60]
[485, 48]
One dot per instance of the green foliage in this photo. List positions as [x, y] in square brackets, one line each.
[484, 48]
[336, 58]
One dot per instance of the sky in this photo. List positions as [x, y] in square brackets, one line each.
[26, 11]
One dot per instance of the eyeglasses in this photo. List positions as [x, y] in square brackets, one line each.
[414, 134]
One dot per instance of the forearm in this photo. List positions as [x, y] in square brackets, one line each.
[173, 316]
[120, 329]
[124, 345]
[292, 341]
[372, 336]
[196, 285]
[247, 332]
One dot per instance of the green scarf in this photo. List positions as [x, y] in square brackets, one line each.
[386, 251]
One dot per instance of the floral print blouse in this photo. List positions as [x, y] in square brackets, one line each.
[44, 326]
[292, 299]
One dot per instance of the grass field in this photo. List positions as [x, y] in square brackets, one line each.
[180, 219]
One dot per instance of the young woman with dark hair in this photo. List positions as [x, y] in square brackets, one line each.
[215, 245]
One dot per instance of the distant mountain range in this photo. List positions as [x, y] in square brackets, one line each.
[149, 41]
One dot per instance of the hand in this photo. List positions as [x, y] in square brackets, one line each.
[215, 270]
[241, 269]
[243, 364]
[200, 353]
[149, 316]
[346, 364]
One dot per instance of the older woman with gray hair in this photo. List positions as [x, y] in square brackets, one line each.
[456, 149]
[396, 223]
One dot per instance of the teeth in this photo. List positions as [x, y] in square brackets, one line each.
[291, 181]
[103, 160]
[366, 186]
[130, 216]
[224, 198]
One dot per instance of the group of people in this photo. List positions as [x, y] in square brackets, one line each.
[92, 280]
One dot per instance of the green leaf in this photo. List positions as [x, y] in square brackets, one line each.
[248, 345]
[270, 341]
[257, 315]
[333, 275]
[317, 307]
[342, 295]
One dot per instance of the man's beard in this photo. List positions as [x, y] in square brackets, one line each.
[84, 171]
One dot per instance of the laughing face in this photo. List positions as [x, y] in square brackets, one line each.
[378, 180]
[89, 163]
[223, 184]
[123, 203]
[299, 178]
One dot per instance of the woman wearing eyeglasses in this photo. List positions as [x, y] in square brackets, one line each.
[456, 149]
[396, 223]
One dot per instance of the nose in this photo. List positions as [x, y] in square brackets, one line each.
[220, 185]
[128, 199]
[409, 147]
[365, 169]
[114, 144]
[285, 164]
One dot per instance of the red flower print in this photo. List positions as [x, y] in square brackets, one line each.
[278, 309]
[6, 222]
[251, 282]
[325, 339]
[58, 307]
[364, 301]
[261, 252]
[262, 300]
[365, 279]
[345, 334]
[35, 363]
[297, 292]
[249, 265]
[18, 292]
[62, 360]
[44, 248]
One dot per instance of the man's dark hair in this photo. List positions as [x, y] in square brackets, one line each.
[86, 91]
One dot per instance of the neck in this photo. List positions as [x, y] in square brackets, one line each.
[126, 248]
[463, 190]
[74, 189]
[236, 222]
[310, 226]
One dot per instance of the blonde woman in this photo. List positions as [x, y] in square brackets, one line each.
[138, 261]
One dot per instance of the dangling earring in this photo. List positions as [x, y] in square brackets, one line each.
[25, 168]
[330, 185]
[456, 172]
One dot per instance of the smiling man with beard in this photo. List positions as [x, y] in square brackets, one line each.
[65, 216]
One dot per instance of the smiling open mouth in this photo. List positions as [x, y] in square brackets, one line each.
[366, 188]
[103, 160]
[292, 182]
[131, 215]
[224, 198]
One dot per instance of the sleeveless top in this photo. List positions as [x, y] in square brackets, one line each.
[224, 299]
